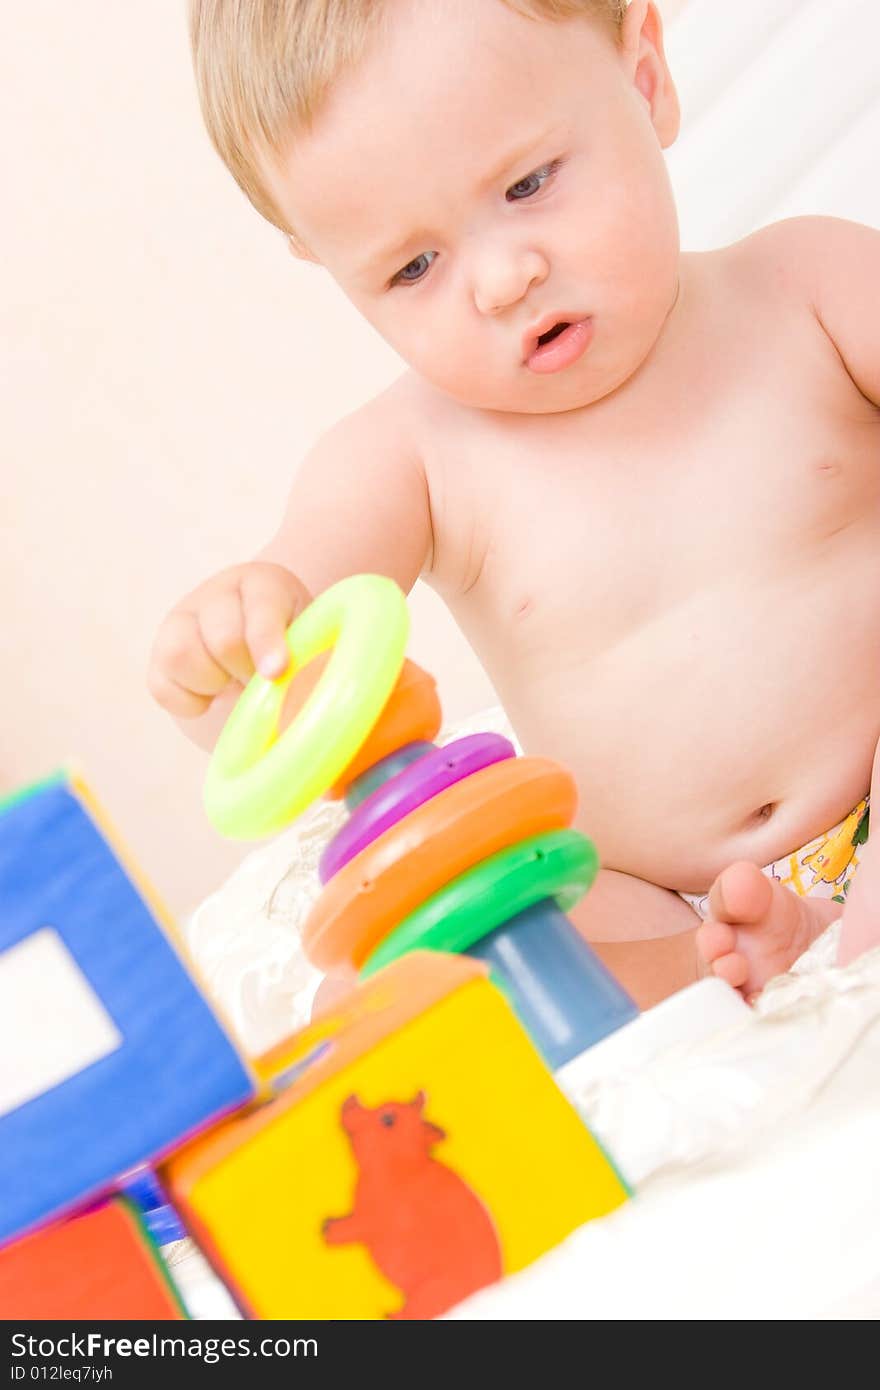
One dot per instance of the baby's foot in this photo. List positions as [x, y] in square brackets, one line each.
[756, 929]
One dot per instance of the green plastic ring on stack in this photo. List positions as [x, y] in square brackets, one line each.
[559, 864]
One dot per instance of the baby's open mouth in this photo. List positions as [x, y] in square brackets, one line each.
[559, 347]
[552, 333]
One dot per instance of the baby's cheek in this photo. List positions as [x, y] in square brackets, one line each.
[448, 355]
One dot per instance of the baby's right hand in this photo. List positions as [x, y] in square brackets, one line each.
[222, 632]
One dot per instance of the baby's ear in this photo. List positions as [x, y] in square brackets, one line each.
[300, 250]
[641, 37]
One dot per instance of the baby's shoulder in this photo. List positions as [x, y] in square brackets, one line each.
[789, 258]
[385, 432]
[822, 273]
[388, 417]
[402, 418]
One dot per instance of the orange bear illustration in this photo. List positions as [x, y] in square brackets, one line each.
[832, 859]
[427, 1231]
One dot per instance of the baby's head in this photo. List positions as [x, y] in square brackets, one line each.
[472, 173]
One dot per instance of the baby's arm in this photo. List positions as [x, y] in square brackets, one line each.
[847, 276]
[843, 259]
[836, 265]
[359, 503]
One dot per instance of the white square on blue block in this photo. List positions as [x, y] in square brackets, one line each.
[52, 1024]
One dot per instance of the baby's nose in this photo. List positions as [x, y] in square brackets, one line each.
[503, 278]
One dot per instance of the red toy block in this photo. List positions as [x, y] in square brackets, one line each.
[101, 1265]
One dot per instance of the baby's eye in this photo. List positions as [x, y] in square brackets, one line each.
[416, 270]
[528, 187]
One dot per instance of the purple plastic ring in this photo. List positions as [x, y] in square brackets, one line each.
[416, 784]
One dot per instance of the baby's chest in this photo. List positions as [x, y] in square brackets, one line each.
[639, 524]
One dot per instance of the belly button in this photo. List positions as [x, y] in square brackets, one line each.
[765, 811]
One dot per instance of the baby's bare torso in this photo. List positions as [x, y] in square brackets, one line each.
[676, 591]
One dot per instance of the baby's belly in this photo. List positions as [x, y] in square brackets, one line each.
[738, 724]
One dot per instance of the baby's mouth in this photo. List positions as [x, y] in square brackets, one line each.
[552, 333]
[559, 347]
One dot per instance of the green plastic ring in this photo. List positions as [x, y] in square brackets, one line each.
[559, 864]
[257, 782]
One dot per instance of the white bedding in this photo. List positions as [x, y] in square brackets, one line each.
[757, 1152]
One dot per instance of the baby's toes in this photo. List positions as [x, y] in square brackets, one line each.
[715, 939]
[732, 968]
[717, 944]
[742, 894]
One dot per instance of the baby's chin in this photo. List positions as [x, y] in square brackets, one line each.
[606, 368]
[539, 397]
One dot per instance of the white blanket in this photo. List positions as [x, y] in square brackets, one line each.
[757, 1153]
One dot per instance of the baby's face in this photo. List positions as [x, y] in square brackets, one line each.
[483, 178]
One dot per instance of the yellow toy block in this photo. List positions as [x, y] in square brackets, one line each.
[420, 1150]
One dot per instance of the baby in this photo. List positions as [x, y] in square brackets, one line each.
[646, 483]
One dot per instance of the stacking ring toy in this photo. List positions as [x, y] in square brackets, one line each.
[412, 713]
[560, 865]
[382, 771]
[489, 811]
[409, 789]
[257, 782]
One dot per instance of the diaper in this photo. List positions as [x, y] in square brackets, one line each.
[824, 868]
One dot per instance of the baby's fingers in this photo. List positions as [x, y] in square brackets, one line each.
[183, 704]
[271, 598]
[221, 624]
[183, 676]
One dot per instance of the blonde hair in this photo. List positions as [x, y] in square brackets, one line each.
[263, 67]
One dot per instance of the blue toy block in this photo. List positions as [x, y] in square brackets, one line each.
[126, 1058]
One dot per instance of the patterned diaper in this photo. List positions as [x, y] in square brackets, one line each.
[822, 869]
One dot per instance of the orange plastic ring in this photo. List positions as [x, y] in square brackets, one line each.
[487, 812]
[411, 714]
